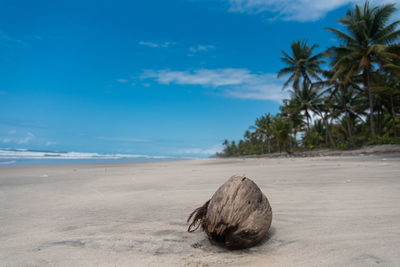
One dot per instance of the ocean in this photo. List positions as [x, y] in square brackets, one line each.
[22, 157]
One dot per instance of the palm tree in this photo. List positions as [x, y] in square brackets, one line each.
[324, 110]
[262, 130]
[302, 64]
[366, 42]
[307, 100]
[250, 142]
[291, 113]
[318, 133]
[352, 104]
[338, 87]
[387, 86]
[280, 129]
[227, 149]
[392, 63]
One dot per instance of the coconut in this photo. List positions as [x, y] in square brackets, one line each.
[237, 216]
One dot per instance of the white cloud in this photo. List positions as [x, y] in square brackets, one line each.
[205, 77]
[50, 143]
[155, 45]
[201, 48]
[6, 40]
[122, 139]
[120, 80]
[166, 44]
[26, 139]
[3, 93]
[238, 83]
[201, 151]
[297, 10]
[149, 44]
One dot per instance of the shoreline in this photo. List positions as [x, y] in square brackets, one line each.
[69, 162]
[368, 150]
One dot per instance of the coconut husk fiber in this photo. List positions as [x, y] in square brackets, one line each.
[237, 216]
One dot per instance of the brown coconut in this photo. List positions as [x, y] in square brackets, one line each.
[237, 216]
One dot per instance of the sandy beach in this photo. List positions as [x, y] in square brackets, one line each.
[327, 211]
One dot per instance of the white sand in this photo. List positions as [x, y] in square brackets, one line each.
[331, 211]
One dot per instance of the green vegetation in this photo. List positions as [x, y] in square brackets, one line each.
[355, 101]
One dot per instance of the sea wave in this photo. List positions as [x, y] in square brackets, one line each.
[7, 162]
[30, 154]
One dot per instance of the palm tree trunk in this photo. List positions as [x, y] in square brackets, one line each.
[308, 128]
[288, 148]
[380, 116]
[347, 119]
[326, 137]
[393, 116]
[328, 131]
[263, 146]
[371, 104]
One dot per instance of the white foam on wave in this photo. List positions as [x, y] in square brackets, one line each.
[7, 162]
[28, 154]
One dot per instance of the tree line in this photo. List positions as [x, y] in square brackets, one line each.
[353, 101]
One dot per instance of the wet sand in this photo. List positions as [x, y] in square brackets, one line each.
[327, 211]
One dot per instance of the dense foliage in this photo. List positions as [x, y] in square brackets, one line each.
[355, 101]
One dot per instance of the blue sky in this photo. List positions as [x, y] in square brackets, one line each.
[146, 77]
